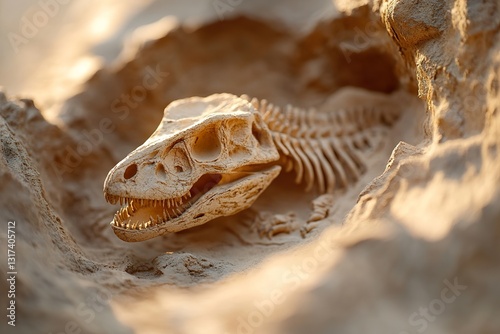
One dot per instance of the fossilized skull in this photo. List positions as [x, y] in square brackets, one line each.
[209, 157]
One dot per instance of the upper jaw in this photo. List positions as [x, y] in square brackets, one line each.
[228, 195]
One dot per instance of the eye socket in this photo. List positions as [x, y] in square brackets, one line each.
[206, 146]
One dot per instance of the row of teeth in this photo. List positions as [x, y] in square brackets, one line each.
[172, 208]
[125, 213]
[141, 202]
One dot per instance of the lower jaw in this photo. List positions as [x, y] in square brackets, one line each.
[222, 200]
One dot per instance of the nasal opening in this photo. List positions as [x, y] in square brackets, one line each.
[130, 171]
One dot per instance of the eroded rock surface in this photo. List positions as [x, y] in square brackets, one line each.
[419, 231]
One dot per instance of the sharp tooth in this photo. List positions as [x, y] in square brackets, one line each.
[154, 203]
[158, 219]
[121, 201]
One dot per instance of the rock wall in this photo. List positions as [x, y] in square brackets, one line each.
[412, 247]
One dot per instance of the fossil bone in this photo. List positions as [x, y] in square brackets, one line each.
[214, 156]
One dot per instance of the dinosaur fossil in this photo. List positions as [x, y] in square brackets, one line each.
[213, 156]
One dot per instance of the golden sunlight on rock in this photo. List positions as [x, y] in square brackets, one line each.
[236, 166]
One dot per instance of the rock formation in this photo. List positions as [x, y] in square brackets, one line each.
[412, 247]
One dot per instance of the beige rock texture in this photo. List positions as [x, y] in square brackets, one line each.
[411, 247]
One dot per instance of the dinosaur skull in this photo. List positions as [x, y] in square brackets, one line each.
[209, 157]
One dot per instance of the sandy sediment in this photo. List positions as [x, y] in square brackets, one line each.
[411, 247]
